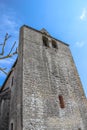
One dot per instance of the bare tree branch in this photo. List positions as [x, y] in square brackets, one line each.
[10, 54]
[3, 70]
[12, 48]
[3, 45]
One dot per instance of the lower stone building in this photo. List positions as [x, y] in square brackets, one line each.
[43, 90]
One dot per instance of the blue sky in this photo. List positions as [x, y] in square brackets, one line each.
[65, 20]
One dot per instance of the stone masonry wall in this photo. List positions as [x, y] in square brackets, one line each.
[4, 110]
[30, 98]
[48, 73]
[16, 92]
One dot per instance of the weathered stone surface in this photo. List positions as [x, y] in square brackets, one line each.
[4, 109]
[47, 73]
[41, 75]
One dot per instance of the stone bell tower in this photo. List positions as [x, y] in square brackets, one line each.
[52, 97]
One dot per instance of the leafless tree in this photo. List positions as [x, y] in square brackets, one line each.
[10, 53]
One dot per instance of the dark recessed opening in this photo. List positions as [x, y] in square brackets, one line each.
[61, 101]
[12, 81]
[54, 44]
[45, 41]
[11, 126]
[7, 113]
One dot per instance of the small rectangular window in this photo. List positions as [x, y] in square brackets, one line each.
[61, 101]
[11, 126]
[45, 41]
[54, 44]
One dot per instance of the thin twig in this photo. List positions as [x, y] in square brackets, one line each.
[9, 55]
[3, 70]
[3, 45]
[12, 48]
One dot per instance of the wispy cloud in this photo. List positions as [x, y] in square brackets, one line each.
[84, 14]
[9, 23]
[80, 44]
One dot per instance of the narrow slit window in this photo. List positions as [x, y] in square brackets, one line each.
[45, 41]
[11, 126]
[12, 81]
[54, 44]
[61, 101]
